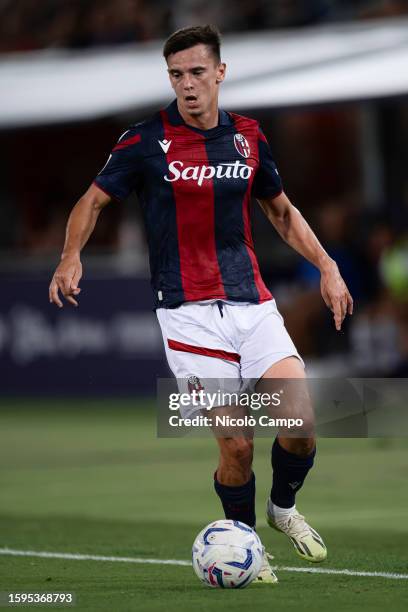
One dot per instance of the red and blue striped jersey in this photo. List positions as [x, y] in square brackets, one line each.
[195, 190]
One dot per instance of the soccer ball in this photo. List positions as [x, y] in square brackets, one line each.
[227, 554]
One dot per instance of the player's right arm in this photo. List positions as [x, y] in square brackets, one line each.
[80, 226]
[116, 180]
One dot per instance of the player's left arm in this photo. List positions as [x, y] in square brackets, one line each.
[295, 230]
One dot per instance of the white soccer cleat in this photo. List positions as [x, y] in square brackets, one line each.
[266, 575]
[306, 541]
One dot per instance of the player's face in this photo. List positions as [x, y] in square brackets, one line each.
[195, 75]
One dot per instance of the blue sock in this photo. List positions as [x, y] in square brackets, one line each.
[289, 473]
[238, 502]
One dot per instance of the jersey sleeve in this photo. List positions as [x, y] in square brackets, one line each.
[123, 171]
[267, 182]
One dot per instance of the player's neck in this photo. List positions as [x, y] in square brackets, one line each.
[204, 121]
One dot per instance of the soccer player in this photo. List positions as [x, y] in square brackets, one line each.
[194, 168]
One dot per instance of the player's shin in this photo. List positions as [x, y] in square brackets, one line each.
[238, 502]
[289, 473]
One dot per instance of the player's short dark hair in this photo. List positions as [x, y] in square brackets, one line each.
[195, 35]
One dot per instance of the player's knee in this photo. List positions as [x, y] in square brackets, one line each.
[302, 447]
[239, 450]
[307, 430]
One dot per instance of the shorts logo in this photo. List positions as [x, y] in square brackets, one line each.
[194, 384]
[241, 145]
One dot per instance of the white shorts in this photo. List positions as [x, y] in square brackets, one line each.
[226, 344]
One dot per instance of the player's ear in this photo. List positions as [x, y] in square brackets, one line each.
[171, 83]
[221, 70]
[169, 75]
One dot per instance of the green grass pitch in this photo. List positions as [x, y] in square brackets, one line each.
[91, 477]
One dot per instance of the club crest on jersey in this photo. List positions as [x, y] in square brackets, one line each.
[242, 146]
[194, 384]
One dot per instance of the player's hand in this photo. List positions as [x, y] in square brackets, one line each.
[335, 294]
[66, 278]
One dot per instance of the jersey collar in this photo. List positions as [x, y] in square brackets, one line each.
[176, 119]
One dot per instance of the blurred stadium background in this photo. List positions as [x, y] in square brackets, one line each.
[328, 80]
